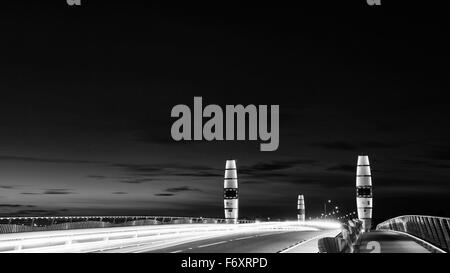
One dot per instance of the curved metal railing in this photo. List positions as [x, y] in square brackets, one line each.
[435, 230]
[46, 223]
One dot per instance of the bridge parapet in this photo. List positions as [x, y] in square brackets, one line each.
[44, 223]
[345, 241]
[432, 229]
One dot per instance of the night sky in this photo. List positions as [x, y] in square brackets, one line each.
[86, 95]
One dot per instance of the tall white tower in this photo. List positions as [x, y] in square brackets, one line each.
[230, 192]
[364, 202]
[301, 208]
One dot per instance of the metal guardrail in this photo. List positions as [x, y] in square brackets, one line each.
[435, 230]
[345, 241]
[29, 224]
[96, 239]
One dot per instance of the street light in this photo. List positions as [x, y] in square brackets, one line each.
[325, 206]
[334, 207]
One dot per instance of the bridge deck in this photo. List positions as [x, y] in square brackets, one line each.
[388, 242]
[250, 242]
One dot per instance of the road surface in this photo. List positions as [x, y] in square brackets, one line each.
[250, 242]
[389, 242]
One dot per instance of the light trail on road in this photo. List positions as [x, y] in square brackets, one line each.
[221, 237]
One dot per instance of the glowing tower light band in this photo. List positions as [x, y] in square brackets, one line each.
[301, 208]
[364, 202]
[230, 192]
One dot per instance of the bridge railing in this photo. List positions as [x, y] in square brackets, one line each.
[29, 224]
[435, 230]
[345, 241]
[97, 239]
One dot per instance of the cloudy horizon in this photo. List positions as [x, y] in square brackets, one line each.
[86, 100]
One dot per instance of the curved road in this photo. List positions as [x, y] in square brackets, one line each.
[250, 242]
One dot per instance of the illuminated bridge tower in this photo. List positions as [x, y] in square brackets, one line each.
[364, 202]
[301, 208]
[230, 192]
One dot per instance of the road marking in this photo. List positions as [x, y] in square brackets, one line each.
[243, 238]
[268, 234]
[175, 242]
[221, 242]
[253, 236]
[304, 242]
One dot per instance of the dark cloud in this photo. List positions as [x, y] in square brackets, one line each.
[136, 180]
[174, 190]
[414, 162]
[355, 146]
[139, 168]
[323, 180]
[15, 206]
[379, 145]
[426, 163]
[343, 168]
[46, 160]
[276, 165]
[265, 170]
[164, 194]
[145, 135]
[245, 174]
[200, 174]
[152, 169]
[337, 145]
[7, 187]
[9, 205]
[142, 173]
[279, 170]
[120, 192]
[245, 181]
[439, 165]
[387, 126]
[441, 152]
[58, 191]
[181, 189]
[97, 176]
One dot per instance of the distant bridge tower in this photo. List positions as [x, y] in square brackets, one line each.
[364, 202]
[301, 208]
[230, 192]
